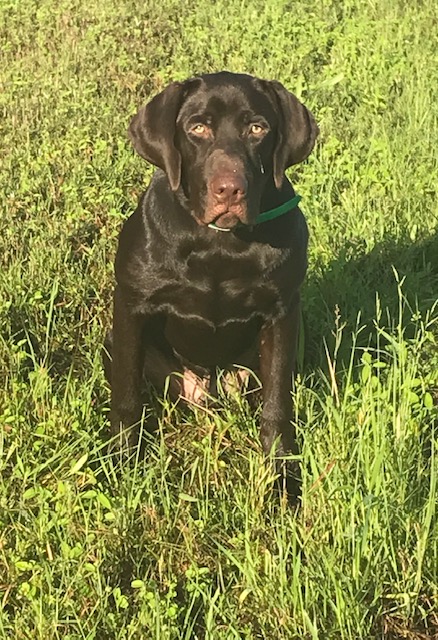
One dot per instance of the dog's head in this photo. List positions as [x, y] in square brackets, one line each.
[223, 137]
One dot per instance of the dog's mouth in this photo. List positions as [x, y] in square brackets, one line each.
[224, 216]
[226, 221]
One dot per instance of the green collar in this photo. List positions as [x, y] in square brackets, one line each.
[269, 215]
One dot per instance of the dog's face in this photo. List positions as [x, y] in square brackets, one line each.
[222, 138]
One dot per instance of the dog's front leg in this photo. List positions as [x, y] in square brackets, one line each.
[278, 351]
[126, 372]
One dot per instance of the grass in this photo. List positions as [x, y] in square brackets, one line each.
[188, 541]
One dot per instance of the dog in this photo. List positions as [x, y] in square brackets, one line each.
[209, 266]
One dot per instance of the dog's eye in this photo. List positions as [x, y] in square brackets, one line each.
[199, 130]
[256, 130]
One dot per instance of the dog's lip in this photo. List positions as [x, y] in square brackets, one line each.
[226, 220]
[224, 216]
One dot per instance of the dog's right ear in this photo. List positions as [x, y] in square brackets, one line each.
[152, 132]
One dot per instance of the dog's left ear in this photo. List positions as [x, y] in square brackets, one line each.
[297, 131]
[152, 132]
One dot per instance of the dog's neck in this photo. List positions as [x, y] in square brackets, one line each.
[273, 197]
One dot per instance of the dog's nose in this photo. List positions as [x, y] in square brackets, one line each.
[229, 187]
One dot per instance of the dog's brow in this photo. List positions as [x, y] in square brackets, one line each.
[201, 116]
[250, 115]
[228, 104]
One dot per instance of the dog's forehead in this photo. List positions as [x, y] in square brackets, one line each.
[223, 94]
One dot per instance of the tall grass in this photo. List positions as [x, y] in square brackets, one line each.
[188, 540]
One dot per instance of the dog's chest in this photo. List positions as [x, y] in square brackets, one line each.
[219, 289]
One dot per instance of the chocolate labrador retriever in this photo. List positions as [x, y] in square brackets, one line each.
[210, 264]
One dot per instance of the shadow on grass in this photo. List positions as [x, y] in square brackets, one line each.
[357, 285]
